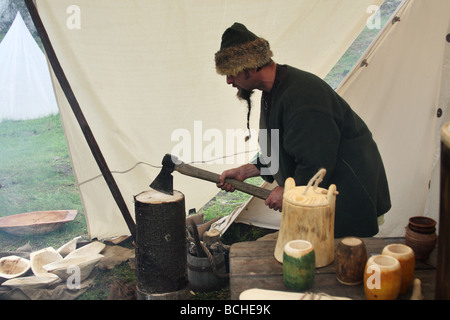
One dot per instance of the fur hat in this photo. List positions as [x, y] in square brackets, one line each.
[241, 49]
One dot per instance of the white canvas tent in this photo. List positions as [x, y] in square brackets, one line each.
[26, 90]
[143, 73]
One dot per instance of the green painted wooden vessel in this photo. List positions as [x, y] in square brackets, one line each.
[299, 265]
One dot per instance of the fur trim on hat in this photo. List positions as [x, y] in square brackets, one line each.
[253, 54]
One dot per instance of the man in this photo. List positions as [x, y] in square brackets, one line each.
[316, 128]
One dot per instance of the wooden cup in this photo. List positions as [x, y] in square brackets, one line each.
[382, 278]
[404, 255]
[351, 258]
[299, 265]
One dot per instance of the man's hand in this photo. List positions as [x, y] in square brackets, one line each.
[275, 199]
[241, 173]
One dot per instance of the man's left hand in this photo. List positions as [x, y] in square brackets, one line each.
[275, 199]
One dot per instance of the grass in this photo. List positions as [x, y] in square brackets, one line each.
[224, 203]
[35, 175]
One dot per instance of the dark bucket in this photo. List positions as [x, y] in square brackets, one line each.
[202, 276]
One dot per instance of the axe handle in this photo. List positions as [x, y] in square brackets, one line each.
[214, 177]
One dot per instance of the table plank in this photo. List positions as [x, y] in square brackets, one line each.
[253, 265]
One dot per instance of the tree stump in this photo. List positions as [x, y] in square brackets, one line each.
[161, 261]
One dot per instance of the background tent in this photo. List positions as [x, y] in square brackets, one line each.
[26, 90]
[143, 73]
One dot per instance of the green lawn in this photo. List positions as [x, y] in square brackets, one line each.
[36, 175]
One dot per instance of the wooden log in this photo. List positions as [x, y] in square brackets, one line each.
[308, 214]
[211, 236]
[443, 262]
[161, 261]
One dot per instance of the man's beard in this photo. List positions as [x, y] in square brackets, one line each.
[246, 95]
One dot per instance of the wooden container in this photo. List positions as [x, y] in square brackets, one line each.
[404, 255]
[36, 222]
[13, 267]
[351, 258]
[161, 262]
[308, 214]
[299, 265]
[382, 278]
[202, 276]
[443, 260]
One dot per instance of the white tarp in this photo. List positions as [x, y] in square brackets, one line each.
[26, 90]
[143, 73]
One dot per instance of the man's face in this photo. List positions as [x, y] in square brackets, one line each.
[244, 82]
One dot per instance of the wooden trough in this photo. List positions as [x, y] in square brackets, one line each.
[37, 222]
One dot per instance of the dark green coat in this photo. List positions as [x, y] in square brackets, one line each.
[318, 129]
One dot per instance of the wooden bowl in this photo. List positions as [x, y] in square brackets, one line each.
[13, 267]
[41, 258]
[66, 267]
[31, 282]
[92, 248]
[37, 222]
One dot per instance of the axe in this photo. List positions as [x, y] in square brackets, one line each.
[164, 181]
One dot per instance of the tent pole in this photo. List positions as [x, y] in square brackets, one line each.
[59, 73]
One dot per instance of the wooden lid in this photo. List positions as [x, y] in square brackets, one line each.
[445, 134]
[155, 197]
[313, 197]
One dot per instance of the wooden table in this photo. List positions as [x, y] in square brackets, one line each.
[252, 265]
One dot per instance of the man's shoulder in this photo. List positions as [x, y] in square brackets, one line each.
[296, 74]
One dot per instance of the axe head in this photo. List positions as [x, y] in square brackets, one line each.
[164, 180]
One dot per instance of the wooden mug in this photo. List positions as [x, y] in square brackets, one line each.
[299, 265]
[404, 255]
[351, 258]
[382, 278]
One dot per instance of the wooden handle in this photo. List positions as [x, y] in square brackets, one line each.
[214, 177]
